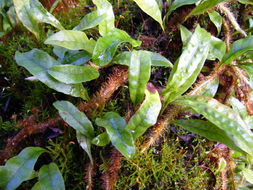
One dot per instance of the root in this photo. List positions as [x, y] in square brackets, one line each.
[98, 100]
[227, 32]
[89, 171]
[24, 133]
[109, 177]
[223, 8]
[161, 126]
[173, 110]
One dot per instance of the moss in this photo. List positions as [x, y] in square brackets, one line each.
[167, 167]
[63, 151]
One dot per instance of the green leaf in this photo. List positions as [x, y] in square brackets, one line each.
[50, 178]
[152, 9]
[249, 121]
[248, 68]
[139, 73]
[106, 46]
[203, 6]
[85, 143]
[179, 3]
[89, 21]
[246, 2]
[19, 168]
[217, 49]
[72, 74]
[156, 59]
[159, 60]
[76, 58]
[37, 62]
[76, 119]
[217, 46]
[120, 137]
[238, 107]
[31, 12]
[123, 58]
[185, 34]
[146, 115]
[104, 8]
[208, 130]
[216, 18]
[101, 140]
[238, 48]
[223, 117]
[70, 39]
[12, 17]
[221, 166]
[60, 52]
[189, 65]
[248, 174]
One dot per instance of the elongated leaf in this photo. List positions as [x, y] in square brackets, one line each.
[76, 58]
[159, 60]
[216, 18]
[238, 107]
[152, 9]
[217, 47]
[249, 121]
[60, 52]
[238, 48]
[209, 131]
[76, 119]
[156, 59]
[28, 20]
[37, 62]
[70, 39]
[146, 115]
[89, 21]
[120, 137]
[223, 117]
[189, 65]
[179, 3]
[185, 34]
[248, 68]
[104, 8]
[203, 6]
[248, 174]
[85, 143]
[72, 74]
[106, 46]
[31, 12]
[50, 178]
[139, 73]
[246, 2]
[19, 168]
[101, 140]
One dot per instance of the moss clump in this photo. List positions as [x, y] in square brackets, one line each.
[169, 167]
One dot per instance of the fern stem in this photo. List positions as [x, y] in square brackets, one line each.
[223, 8]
